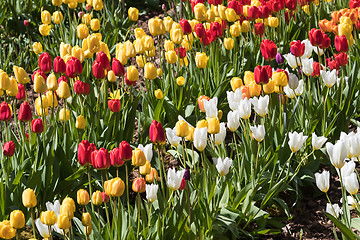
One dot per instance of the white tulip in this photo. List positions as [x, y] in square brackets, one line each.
[171, 136]
[200, 138]
[42, 228]
[260, 105]
[337, 153]
[334, 210]
[350, 201]
[291, 60]
[181, 118]
[318, 50]
[174, 178]
[308, 49]
[211, 107]
[56, 208]
[234, 99]
[293, 81]
[347, 169]
[307, 66]
[222, 165]
[147, 151]
[346, 138]
[258, 132]
[317, 142]
[220, 137]
[244, 109]
[289, 92]
[233, 121]
[296, 140]
[328, 77]
[151, 192]
[323, 181]
[299, 90]
[351, 183]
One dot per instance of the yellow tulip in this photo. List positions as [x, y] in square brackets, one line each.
[148, 43]
[29, 198]
[139, 46]
[133, 14]
[45, 17]
[169, 45]
[63, 222]
[139, 33]
[228, 43]
[86, 19]
[64, 115]
[95, 24]
[145, 169]
[48, 218]
[230, 15]
[80, 122]
[176, 35]
[180, 81]
[201, 60]
[82, 31]
[138, 158]
[13, 89]
[57, 17]
[65, 49]
[235, 30]
[20, 74]
[132, 73]
[200, 12]
[17, 219]
[44, 29]
[140, 61]
[182, 128]
[63, 91]
[236, 83]
[150, 71]
[213, 125]
[78, 53]
[168, 22]
[39, 84]
[158, 94]
[171, 57]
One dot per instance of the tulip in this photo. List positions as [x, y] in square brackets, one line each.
[37, 125]
[293, 81]
[234, 99]
[139, 185]
[296, 140]
[82, 31]
[259, 29]
[200, 12]
[9, 149]
[86, 219]
[200, 101]
[316, 37]
[228, 43]
[25, 114]
[325, 42]
[337, 153]
[117, 67]
[323, 181]
[96, 198]
[341, 59]
[17, 219]
[12, 90]
[45, 62]
[100, 159]
[258, 132]
[158, 94]
[133, 14]
[132, 73]
[220, 137]
[5, 112]
[44, 29]
[84, 152]
[268, 49]
[156, 133]
[98, 70]
[317, 142]
[279, 59]
[29, 198]
[37, 48]
[289, 92]
[233, 122]
[171, 57]
[213, 125]
[63, 222]
[261, 75]
[78, 53]
[307, 66]
[138, 158]
[150, 71]
[6, 231]
[341, 43]
[200, 138]
[151, 192]
[328, 77]
[156, 26]
[114, 187]
[260, 105]
[222, 165]
[48, 218]
[171, 136]
[199, 30]
[67, 210]
[182, 128]
[63, 91]
[334, 209]
[236, 83]
[351, 183]
[105, 198]
[291, 59]
[174, 178]
[186, 27]
[21, 93]
[201, 60]
[83, 197]
[57, 17]
[73, 67]
[211, 107]
[21, 76]
[114, 105]
[152, 176]
[125, 151]
[297, 48]
[64, 115]
[4, 80]
[115, 158]
[202, 124]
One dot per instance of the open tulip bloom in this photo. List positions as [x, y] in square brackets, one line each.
[222, 165]
[296, 140]
[174, 178]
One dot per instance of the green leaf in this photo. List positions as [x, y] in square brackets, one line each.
[344, 229]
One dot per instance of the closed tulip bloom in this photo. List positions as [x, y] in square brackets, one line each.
[139, 46]
[236, 83]
[20, 74]
[202, 124]
[156, 26]
[115, 158]
[296, 140]
[200, 30]
[63, 222]
[259, 29]
[82, 31]
[59, 65]
[114, 187]
[64, 115]
[48, 218]
[261, 75]
[13, 89]
[44, 29]
[83, 197]
[57, 3]
[222, 165]
[171, 136]
[78, 52]
[37, 48]
[114, 105]
[182, 128]
[233, 122]
[138, 158]
[268, 49]
[133, 14]
[211, 107]
[29, 198]
[200, 12]
[351, 183]
[4, 80]
[317, 142]
[37, 125]
[84, 152]
[152, 176]
[200, 138]
[150, 71]
[158, 94]
[174, 178]
[63, 91]
[100, 159]
[105, 197]
[86, 219]
[17, 219]
[25, 114]
[328, 77]
[261, 105]
[96, 198]
[307, 66]
[52, 82]
[21, 93]
[169, 45]
[9, 149]
[97, 5]
[213, 125]
[323, 181]
[57, 17]
[95, 24]
[151, 192]
[316, 37]
[341, 43]
[5, 112]
[337, 153]
[220, 137]
[73, 67]
[156, 133]
[171, 57]
[139, 185]
[297, 48]
[334, 209]
[125, 151]
[117, 67]
[228, 43]
[201, 60]
[132, 73]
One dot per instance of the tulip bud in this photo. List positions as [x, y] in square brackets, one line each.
[171, 57]
[261, 75]
[100, 159]
[180, 81]
[45, 17]
[176, 35]
[138, 158]
[21, 94]
[78, 53]
[17, 219]
[21, 76]
[96, 198]
[83, 197]
[37, 125]
[114, 187]
[63, 222]
[228, 43]
[213, 126]
[150, 71]
[48, 218]
[51, 99]
[63, 91]
[57, 17]
[200, 12]
[117, 67]
[152, 176]
[133, 14]
[4, 80]
[139, 185]
[125, 151]
[159, 72]
[158, 94]
[111, 76]
[29, 198]
[13, 89]
[44, 29]
[5, 112]
[268, 49]
[169, 45]
[156, 132]
[37, 47]
[95, 24]
[114, 105]
[39, 84]
[25, 114]
[86, 219]
[9, 149]
[82, 31]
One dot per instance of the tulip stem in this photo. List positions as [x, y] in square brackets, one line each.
[257, 157]
[324, 119]
[160, 170]
[106, 209]
[50, 231]
[33, 221]
[127, 187]
[90, 188]
[138, 225]
[99, 222]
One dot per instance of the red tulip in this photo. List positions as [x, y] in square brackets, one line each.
[98, 70]
[268, 49]
[288, 16]
[156, 132]
[63, 78]
[185, 25]
[125, 151]
[128, 82]
[277, 5]
[259, 29]
[39, 72]
[264, 11]
[115, 158]
[117, 67]
[21, 94]
[183, 184]
[9, 149]
[297, 48]
[253, 12]
[333, 64]
[59, 65]
[216, 29]
[261, 75]
[37, 125]
[104, 60]
[81, 88]
[341, 43]
[316, 37]
[181, 52]
[100, 159]
[26, 23]
[200, 30]
[354, 4]
[114, 105]
[73, 67]
[291, 4]
[105, 198]
[215, 2]
[25, 114]
[341, 59]
[84, 152]
[316, 72]
[237, 6]
[45, 62]
[5, 112]
[325, 42]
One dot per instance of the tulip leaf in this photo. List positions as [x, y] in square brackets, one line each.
[344, 229]
[355, 223]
